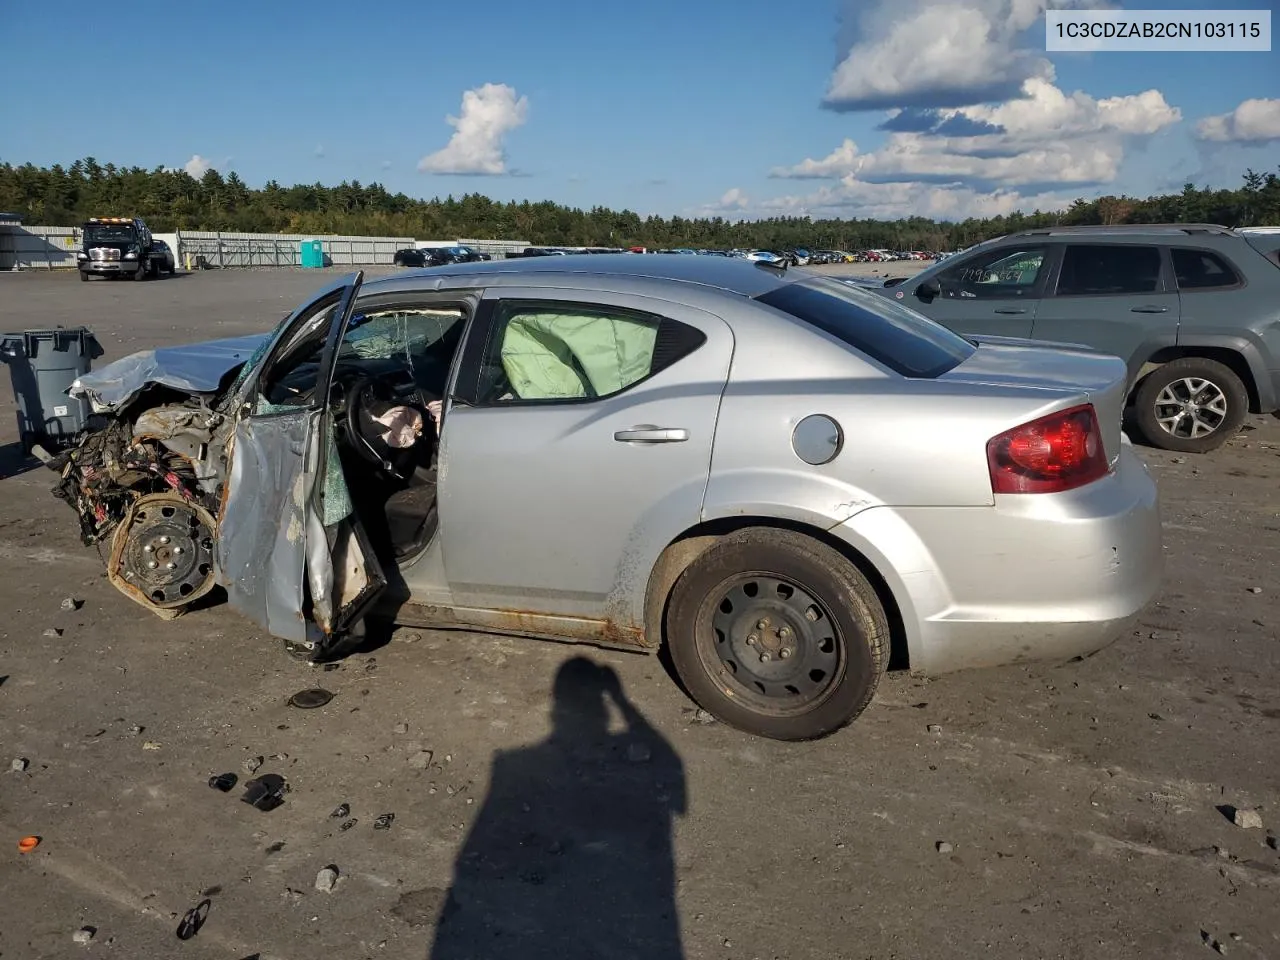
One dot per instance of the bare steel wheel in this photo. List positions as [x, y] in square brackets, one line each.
[777, 634]
[162, 553]
[1192, 405]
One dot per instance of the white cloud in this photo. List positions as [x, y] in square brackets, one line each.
[1043, 137]
[940, 53]
[1253, 122]
[198, 166]
[852, 197]
[319, 151]
[488, 114]
[734, 199]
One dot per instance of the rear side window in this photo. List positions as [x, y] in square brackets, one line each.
[1093, 270]
[884, 330]
[1201, 270]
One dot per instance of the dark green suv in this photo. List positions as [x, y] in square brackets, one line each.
[1193, 308]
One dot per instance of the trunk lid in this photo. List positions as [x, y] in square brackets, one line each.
[1075, 373]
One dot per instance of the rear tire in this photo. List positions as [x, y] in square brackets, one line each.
[777, 634]
[1201, 402]
[84, 277]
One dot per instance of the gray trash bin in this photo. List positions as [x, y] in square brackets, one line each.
[42, 365]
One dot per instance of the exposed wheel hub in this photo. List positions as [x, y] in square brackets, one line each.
[1191, 407]
[162, 554]
[775, 639]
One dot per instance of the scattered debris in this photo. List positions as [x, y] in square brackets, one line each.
[340, 811]
[19, 764]
[1255, 589]
[253, 763]
[193, 920]
[71, 603]
[935, 729]
[151, 745]
[384, 822]
[84, 934]
[223, 782]
[639, 753]
[330, 667]
[943, 847]
[1236, 937]
[266, 792]
[1248, 819]
[136, 729]
[1178, 460]
[292, 894]
[703, 716]
[53, 633]
[310, 698]
[327, 879]
[1211, 942]
[400, 728]
[421, 760]
[348, 824]
[27, 844]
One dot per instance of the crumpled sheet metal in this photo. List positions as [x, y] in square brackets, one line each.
[262, 533]
[194, 368]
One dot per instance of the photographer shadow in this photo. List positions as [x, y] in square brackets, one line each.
[571, 855]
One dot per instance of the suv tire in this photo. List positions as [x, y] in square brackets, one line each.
[1217, 400]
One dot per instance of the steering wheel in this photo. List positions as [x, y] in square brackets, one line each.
[363, 433]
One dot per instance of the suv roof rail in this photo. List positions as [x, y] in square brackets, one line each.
[1130, 228]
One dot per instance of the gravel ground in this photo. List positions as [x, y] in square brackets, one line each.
[1030, 811]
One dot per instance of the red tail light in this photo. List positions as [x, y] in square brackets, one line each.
[1055, 453]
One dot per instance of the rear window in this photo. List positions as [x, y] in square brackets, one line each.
[886, 331]
[1201, 270]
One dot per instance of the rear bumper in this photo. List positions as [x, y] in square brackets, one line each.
[1035, 577]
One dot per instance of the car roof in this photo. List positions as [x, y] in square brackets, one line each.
[725, 273]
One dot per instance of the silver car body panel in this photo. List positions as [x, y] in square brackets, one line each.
[551, 526]
[198, 368]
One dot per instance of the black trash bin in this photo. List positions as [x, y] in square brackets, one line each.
[42, 365]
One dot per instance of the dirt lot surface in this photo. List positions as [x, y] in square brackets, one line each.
[1053, 812]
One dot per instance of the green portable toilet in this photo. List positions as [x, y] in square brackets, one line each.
[312, 253]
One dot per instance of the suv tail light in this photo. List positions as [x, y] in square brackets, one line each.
[1055, 453]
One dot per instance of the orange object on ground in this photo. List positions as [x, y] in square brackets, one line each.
[27, 844]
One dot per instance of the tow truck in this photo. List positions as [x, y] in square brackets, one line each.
[121, 246]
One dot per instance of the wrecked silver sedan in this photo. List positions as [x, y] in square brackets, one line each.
[782, 478]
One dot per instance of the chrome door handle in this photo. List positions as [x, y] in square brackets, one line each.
[1148, 309]
[648, 434]
[1011, 310]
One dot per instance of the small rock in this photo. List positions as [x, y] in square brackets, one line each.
[1178, 460]
[253, 763]
[1248, 819]
[53, 633]
[400, 728]
[943, 847]
[421, 760]
[151, 745]
[1236, 937]
[83, 935]
[703, 716]
[19, 764]
[1273, 843]
[70, 603]
[348, 824]
[935, 729]
[280, 756]
[639, 753]
[327, 879]
[384, 821]
[341, 811]
[292, 894]
[136, 729]
[1255, 589]
[728, 942]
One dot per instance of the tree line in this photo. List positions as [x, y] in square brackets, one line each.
[174, 200]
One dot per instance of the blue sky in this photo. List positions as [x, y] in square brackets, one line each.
[743, 109]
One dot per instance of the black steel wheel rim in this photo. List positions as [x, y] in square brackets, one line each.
[771, 643]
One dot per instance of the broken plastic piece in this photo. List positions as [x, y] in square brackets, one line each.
[223, 782]
[193, 920]
[384, 822]
[27, 844]
[266, 792]
[311, 698]
[349, 824]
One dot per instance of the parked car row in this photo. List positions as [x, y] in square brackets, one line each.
[438, 256]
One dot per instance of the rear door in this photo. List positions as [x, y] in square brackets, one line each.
[577, 445]
[992, 292]
[1117, 298]
[290, 552]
